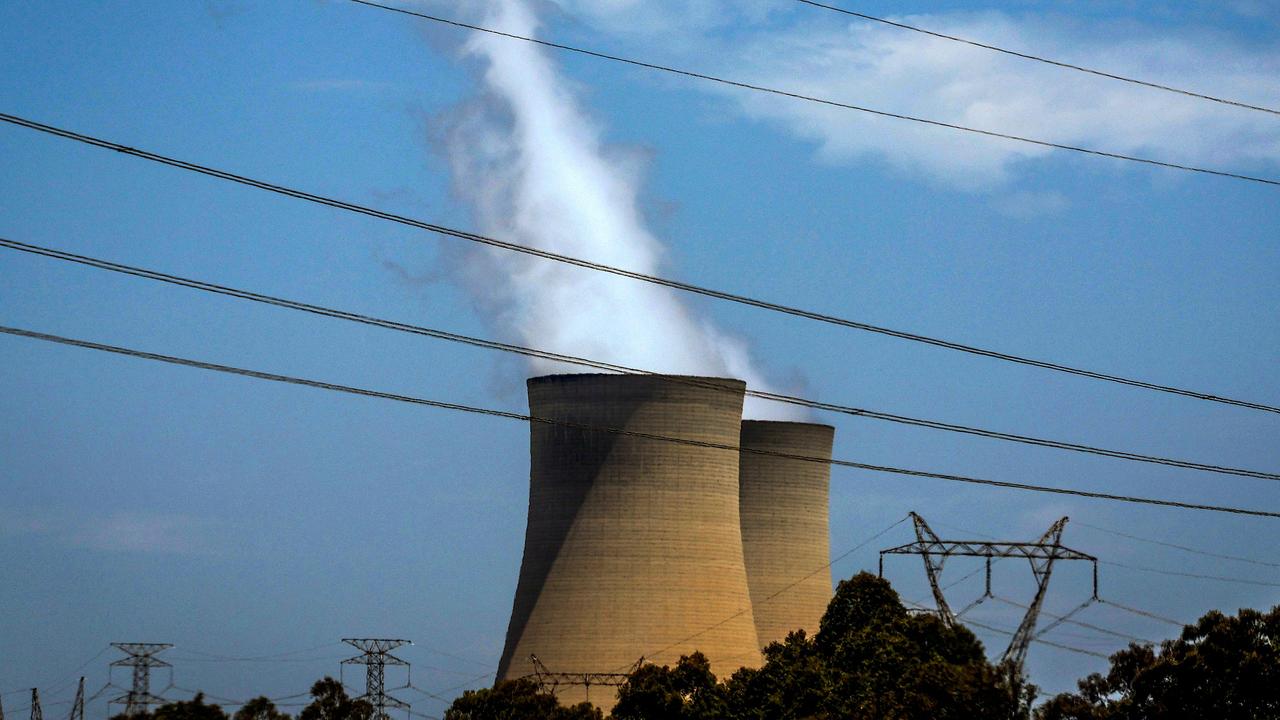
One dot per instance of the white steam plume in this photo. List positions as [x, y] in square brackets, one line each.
[533, 166]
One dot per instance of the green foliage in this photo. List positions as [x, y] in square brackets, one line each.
[792, 683]
[687, 691]
[873, 660]
[193, 709]
[1222, 667]
[870, 660]
[260, 708]
[330, 702]
[516, 700]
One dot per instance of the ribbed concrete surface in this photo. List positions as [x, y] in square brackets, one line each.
[784, 525]
[631, 544]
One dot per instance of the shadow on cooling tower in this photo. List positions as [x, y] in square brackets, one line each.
[632, 544]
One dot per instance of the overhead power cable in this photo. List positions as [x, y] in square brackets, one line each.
[631, 433]
[1040, 640]
[611, 367]
[1183, 548]
[469, 682]
[269, 661]
[814, 99]
[991, 628]
[1197, 576]
[1079, 623]
[1142, 613]
[653, 279]
[268, 656]
[784, 589]
[1157, 571]
[1038, 58]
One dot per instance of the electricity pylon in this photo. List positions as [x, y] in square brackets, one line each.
[141, 657]
[1041, 554]
[77, 708]
[550, 682]
[376, 656]
[36, 713]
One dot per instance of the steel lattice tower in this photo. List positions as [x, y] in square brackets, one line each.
[77, 708]
[36, 713]
[376, 656]
[141, 657]
[1041, 554]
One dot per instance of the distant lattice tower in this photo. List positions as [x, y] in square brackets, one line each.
[783, 507]
[633, 545]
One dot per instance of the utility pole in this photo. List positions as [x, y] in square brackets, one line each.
[36, 713]
[77, 708]
[376, 656]
[141, 657]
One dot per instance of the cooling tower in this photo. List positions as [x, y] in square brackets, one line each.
[784, 525]
[633, 545]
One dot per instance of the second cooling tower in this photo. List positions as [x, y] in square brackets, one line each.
[784, 524]
[633, 545]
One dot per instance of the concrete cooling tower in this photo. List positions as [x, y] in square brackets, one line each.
[633, 545]
[784, 525]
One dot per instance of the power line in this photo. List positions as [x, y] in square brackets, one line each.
[328, 658]
[1142, 613]
[685, 441]
[1078, 623]
[630, 433]
[738, 614]
[269, 656]
[431, 695]
[1175, 573]
[1042, 641]
[1038, 58]
[611, 367]
[600, 267]
[465, 683]
[815, 99]
[991, 628]
[1183, 548]
[1156, 570]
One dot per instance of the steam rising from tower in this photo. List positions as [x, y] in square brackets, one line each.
[533, 167]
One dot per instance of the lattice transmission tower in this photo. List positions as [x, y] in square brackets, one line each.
[1041, 554]
[36, 712]
[77, 708]
[141, 657]
[376, 656]
[551, 682]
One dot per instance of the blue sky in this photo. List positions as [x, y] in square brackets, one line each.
[238, 518]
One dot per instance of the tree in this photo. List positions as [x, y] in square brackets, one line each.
[792, 683]
[193, 709]
[520, 699]
[330, 702]
[688, 691]
[260, 708]
[1222, 667]
[872, 660]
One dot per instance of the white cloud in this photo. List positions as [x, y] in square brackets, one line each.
[903, 72]
[876, 66]
[669, 19]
